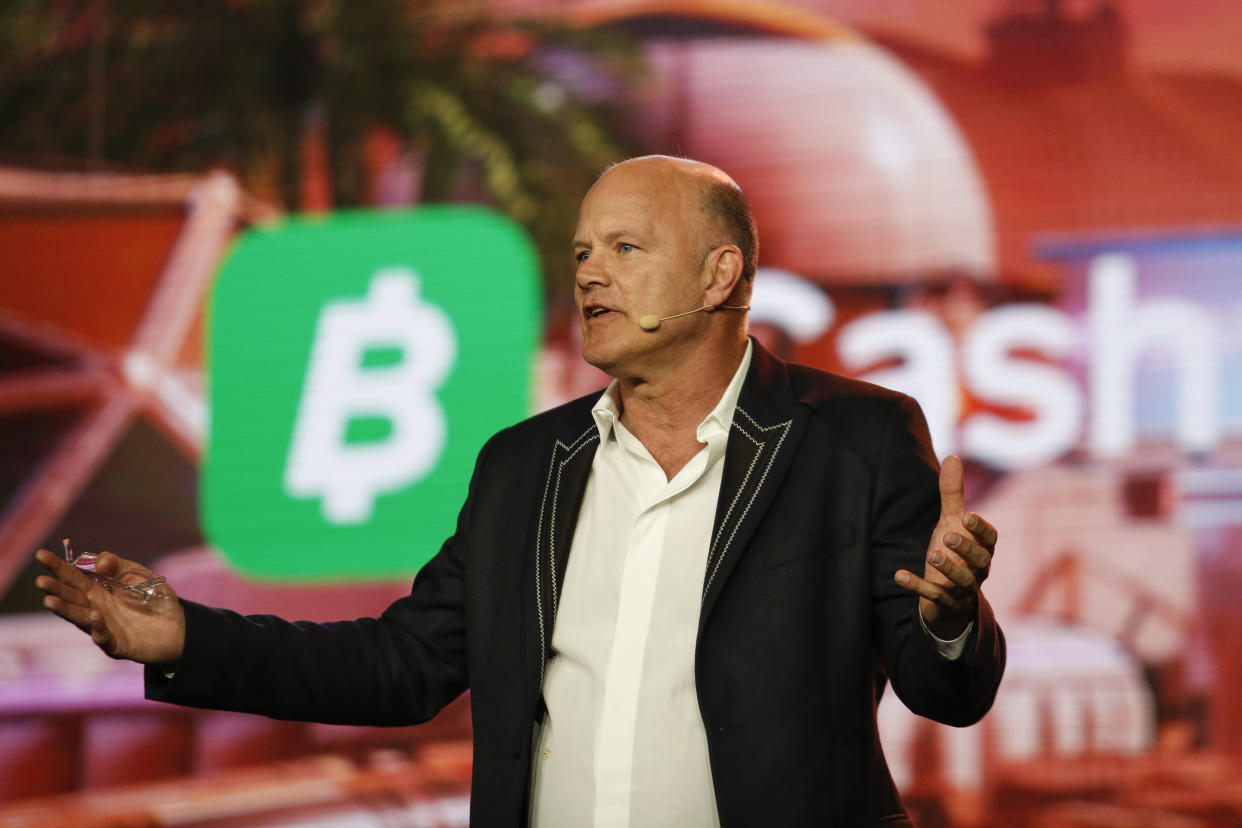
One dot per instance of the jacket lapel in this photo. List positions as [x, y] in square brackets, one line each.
[568, 469]
[767, 427]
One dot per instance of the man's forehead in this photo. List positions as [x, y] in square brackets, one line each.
[640, 198]
[630, 205]
[670, 180]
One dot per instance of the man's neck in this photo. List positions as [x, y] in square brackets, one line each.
[664, 409]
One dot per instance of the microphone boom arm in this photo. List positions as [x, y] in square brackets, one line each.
[650, 322]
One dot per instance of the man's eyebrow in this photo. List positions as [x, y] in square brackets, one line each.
[609, 238]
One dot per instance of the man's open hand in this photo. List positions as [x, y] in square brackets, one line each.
[118, 621]
[957, 562]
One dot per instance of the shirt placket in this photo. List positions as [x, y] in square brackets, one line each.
[614, 758]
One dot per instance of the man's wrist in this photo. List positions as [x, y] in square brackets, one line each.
[949, 648]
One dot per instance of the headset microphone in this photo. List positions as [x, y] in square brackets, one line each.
[650, 322]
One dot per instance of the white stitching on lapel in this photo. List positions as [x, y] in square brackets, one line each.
[742, 488]
[583, 439]
[737, 494]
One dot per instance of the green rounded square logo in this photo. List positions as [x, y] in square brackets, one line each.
[356, 364]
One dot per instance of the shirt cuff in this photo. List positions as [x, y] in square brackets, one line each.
[949, 650]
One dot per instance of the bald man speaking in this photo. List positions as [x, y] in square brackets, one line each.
[675, 603]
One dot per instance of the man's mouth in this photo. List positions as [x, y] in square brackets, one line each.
[597, 311]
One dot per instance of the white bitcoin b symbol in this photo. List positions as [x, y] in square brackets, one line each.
[338, 389]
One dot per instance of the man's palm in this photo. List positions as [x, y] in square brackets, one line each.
[120, 622]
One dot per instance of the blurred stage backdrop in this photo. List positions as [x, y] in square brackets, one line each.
[271, 271]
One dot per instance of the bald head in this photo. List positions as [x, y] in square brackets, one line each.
[722, 206]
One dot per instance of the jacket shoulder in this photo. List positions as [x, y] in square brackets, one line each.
[865, 414]
[832, 395]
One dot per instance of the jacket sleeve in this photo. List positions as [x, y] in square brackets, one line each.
[400, 668]
[905, 507]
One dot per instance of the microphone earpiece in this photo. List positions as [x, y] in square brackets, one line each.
[650, 322]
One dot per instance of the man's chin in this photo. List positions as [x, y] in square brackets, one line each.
[598, 358]
[609, 357]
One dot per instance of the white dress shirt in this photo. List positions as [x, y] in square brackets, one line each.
[623, 741]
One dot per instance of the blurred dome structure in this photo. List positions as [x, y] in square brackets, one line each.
[857, 173]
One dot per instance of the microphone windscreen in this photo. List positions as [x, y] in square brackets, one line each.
[649, 322]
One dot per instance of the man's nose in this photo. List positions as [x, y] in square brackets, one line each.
[590, 273]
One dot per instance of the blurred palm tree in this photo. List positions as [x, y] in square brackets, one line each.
[515, 114]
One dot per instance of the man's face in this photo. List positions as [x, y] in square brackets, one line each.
[637, 249]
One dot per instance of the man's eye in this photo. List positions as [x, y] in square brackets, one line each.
[626, 247]
[581, 256]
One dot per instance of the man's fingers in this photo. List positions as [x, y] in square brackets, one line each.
[953, 568]
[981, 529]
[50, 560]
[61, 590]
[66, 587]
[923, 587]
[114, 566]
[82, 617]
[126, 571]
[108, 564]
[64, 571]
[972, 553]
[952, 487]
